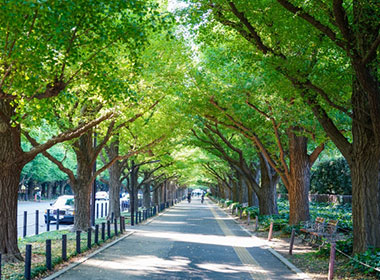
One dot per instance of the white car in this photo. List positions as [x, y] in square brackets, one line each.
[65, 205]
[101, 195]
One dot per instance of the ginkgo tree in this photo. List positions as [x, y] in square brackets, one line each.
[47, 48]
[329, 52]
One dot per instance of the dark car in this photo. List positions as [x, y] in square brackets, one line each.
[65, 205]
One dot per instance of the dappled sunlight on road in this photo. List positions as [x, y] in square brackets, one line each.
[152, 264]
[226, 268]
[230, 241]
[171, 223]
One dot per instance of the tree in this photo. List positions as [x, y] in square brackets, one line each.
[332, 62]
[47, 49]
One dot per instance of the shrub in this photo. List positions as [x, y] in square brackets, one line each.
[370, 257]
[331, 177]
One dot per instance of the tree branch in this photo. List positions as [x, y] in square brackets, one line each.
[58, 163]
[314, 22]
[68, 135]
[315, 154]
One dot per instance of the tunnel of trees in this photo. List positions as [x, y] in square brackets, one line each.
[246, 98]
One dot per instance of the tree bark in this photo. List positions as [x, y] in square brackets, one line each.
[82, 186]
[9, 180]
[364, 176]
[146, 196]
[10, 172]
[267, 195]
[298, 184]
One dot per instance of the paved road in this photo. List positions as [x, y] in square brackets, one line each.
[189, 241]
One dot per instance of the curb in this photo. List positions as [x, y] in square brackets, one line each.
[292, 267]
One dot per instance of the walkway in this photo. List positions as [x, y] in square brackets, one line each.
[189, 241]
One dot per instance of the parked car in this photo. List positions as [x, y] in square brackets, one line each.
[65, 205]
[101, 196]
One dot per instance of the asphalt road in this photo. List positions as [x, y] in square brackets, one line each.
[189, 241]
[31, 207]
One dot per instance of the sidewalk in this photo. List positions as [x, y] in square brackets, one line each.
[189, 241]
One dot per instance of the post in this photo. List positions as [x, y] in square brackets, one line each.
[25, 223]
[270, 231]
[64, 247]
[97, 210]
[103, 231]
[48, 220]
[28, 262]
[292, 241]
[106, 209]
[78, 242]
[112, 216]
[97, 234]
[121, 224]
[101, 210]
[93, 189]
[257, 223]
[89, 233]
[48, 254]
[241, 213]
[57, 222]
[332, 262]
[140, 217]
[115, 224]
[108, 229]
[137, 218]
[248, 218]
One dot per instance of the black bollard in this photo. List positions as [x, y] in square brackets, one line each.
[48, 254]
[103, 231]
[28, 262]
[78, 242]
[37, 223]
[108, 229]
[57, 223]
[121, 224]
[25, 223]
[115, 225]
[105, 209]
[64, 247]
[89, 233]
[48, 220]
[137, 218]
[96, 234]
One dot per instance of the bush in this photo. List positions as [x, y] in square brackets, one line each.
[331, 177]
[370, 257]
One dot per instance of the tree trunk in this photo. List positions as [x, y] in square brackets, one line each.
[235, 191]
[155, 196]
[298, 184]
[82, 186]
[114, 191]
[50, 190]
[268, 194]
[9, 180]
[364, 168]
[146, 196]
[82, 195]
[10, 172]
